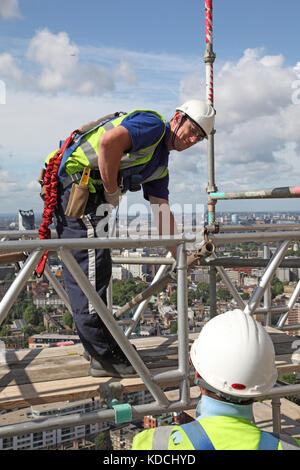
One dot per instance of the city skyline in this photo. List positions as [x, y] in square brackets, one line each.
[58, 75]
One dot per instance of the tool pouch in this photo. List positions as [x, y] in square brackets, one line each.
[77, 202]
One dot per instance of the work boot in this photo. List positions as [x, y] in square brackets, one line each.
[86, 355]
[114, 364]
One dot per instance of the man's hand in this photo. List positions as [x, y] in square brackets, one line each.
[113, 198]
[164, 219]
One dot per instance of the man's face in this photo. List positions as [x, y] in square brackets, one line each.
[188, 133]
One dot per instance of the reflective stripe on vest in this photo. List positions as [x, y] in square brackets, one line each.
[161, 437]
[159, 173]
[193, 430]
[288, 442]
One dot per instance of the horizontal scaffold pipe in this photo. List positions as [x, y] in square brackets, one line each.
[108, 415]
[142, 260]
[291, 327]
[80, 419]
[13, 234]
[93, 243]
[284, 192]
[295, 326]
[253, 228]
[234, 238]
[228, 262]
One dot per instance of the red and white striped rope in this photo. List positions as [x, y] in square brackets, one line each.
[210, 86]
[208, 21]
[209, 38]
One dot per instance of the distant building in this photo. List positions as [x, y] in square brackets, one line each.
[45, 339]
[119, 272]
[26, 220]
[135, 270]
[51, 301]
[155, 421]
[62, 438]
[122, 438]
[234, 219]
[250, 281]
[235, 276]
[17, 325]
[200, 275]
[294, 318]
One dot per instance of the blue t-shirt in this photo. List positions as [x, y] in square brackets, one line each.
[145, 129]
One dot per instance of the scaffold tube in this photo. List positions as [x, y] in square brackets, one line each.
[260, 237]
[108, 415]
[266, 278]
[93, 243]
[284, 192]
[209, 58]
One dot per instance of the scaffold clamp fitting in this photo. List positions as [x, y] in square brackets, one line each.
[110, 394]
[123, 413]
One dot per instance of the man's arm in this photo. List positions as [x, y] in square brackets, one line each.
[164, 219]
[112, 146]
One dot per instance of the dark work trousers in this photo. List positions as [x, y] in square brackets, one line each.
[97, 266]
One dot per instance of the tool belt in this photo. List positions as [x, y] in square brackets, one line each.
[94, 174]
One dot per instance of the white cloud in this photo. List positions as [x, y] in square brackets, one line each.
[9, 9]
[126, 71]
[9, 68]
[53, 50]
[255, 86]
[257, 141]
[61, 69]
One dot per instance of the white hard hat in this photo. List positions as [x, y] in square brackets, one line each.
[203, 114]
[235, 355]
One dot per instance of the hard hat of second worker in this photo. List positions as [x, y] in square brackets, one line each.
[203, 114]
[234, 356]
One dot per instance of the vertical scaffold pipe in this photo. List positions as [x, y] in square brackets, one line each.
[209, 58]
[209, 51]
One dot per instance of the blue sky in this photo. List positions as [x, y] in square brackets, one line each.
[66, 62]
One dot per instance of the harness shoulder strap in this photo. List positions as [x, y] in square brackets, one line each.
[81, 137]
[268, 441]
[198, 436]
[61, 171]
